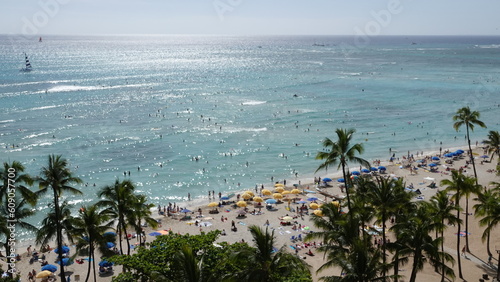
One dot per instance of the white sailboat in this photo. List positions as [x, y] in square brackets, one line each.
[28, 66]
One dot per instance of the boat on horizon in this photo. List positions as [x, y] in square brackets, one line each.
[28, 66]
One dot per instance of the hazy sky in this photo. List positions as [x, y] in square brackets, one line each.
[251, 17]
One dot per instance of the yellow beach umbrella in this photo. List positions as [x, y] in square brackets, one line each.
[279, 189]
[286, 192]
[241, 204]
[295, 191]
[266, 192]
[213, 204]
[336, 203]
[249, 192]
[314, 206]
[277, 196]
[279, 185]
[318, 212]
[43, 274]
[246, 196]
[258, 199]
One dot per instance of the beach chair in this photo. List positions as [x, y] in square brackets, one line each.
[299, 237]
[293, 238]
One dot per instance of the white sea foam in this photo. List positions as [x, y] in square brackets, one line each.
[491, 46]
[35, 135]
[253, 103]
[44, 108]
[243, 129]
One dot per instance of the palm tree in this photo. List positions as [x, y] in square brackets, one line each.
[467, 190]
[261, 264]
[363, 211]
[487, 202]
[343, 248]
[341, 152]
[361, 264]
[13, 187]
[335, 231]
[57, 177]
[406, 206]
[47, 232]
[118, 198]
[90, 224]
[20, 179]
[414, 235]
[142, 212]
[457, 183]
[493, 143]
[384, 197]
[187, 266]
[442, 211]
[465, 116]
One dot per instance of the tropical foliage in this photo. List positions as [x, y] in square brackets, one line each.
[177, 257]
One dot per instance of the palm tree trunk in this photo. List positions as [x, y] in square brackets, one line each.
[346, 181]
[416, 256]
[396, 266]
[488, 244]
[93, 264]
[126, 238]
[59, 234]
[91, 251]
[442, 251]
[120, 238]
[467, 223]
[470, 154]
[458, 247]
[384, 248]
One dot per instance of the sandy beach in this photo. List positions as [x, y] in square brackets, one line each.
[474, 265]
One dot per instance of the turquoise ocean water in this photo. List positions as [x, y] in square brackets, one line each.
[222, 113]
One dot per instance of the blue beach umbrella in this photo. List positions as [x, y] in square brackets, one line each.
[326, 179]
[312, 199]
[224, 198]
[301, 202]
[365, 170]
[355, 173]
[432, 165]
[65, 250]
[105, 263]
[110, 245]
[65, 261]
[435, 158]
[271, 201]
[185, 211]
[109, 233]
[448, 155]
[373, 168]
[341, 180]
[49, 267]
[460, 151]
[382, 168]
